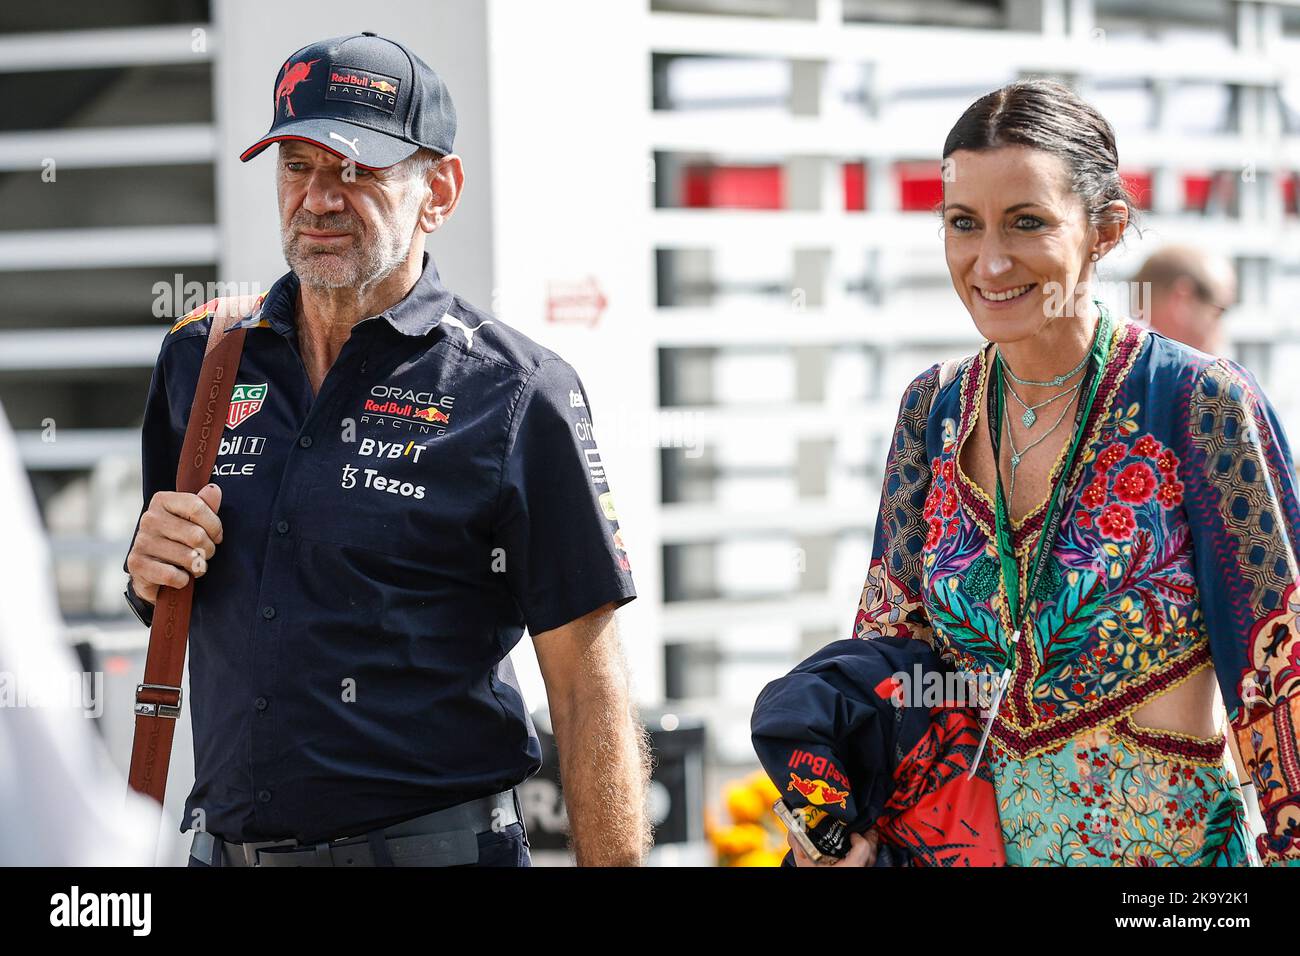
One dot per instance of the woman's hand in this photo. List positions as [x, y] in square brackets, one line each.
[862, 851]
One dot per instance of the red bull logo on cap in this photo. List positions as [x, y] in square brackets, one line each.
[351, 85]
[293, 75]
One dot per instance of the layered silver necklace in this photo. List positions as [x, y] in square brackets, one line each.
[1030, 415]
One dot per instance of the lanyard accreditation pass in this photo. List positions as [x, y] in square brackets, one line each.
[1018, 612]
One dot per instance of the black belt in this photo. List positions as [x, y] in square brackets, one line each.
[446, 837]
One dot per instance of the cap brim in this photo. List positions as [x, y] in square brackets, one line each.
[365, 147]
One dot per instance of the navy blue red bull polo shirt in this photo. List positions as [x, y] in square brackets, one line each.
[385, 545]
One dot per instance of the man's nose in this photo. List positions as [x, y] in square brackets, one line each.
[324, 194]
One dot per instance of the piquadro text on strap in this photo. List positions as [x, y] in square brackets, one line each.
[158, 697]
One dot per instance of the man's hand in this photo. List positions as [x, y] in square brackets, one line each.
[862, 851]
[178, 535]
[604, 755]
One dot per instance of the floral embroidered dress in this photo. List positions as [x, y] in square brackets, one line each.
[1175, 553]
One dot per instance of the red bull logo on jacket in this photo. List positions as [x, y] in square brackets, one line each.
[818, 766]
[818, 792]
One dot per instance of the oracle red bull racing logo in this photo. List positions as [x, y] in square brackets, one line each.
[294, 73]
[392, 406]
[245, 402]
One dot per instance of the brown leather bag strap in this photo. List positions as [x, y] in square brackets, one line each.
[158, 697]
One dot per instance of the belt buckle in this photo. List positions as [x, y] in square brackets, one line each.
[251, 849]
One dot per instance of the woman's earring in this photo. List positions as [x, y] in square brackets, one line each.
[1095, 256]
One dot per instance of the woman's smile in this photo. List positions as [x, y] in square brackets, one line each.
[1004, 298]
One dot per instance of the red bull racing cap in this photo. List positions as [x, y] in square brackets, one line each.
[364, 98]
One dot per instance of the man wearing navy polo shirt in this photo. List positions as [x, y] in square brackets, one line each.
[404, 485]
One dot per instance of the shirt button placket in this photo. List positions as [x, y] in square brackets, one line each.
[266, 650]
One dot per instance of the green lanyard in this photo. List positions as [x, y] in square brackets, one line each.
[1018, 613]
[1042, 551]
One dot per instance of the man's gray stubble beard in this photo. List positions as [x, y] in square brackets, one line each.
[375, 263]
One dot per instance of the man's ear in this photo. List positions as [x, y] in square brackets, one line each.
[445, 181]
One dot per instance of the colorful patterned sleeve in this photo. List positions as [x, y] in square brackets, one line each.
[891, 598]
[1240, 496]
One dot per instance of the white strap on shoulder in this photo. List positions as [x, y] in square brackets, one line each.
[947, 372]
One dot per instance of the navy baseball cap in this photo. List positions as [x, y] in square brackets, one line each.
[362, 97]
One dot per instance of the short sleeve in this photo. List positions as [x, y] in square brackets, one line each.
[1239, 490]
[890, 605]
[159, 452]
[557, 525]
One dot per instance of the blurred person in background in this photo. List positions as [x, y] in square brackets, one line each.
[1092, 523]
[61, 799]
[1190, 289]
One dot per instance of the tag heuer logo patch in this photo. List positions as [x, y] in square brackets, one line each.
[245, 402]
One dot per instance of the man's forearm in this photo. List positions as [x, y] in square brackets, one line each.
[605, 773]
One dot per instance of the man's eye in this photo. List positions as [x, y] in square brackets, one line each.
[294, 167]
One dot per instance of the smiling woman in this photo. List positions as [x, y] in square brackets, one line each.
[1096, 520]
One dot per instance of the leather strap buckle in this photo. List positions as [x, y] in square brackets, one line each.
[161, 708]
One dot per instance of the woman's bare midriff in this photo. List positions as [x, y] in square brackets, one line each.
[1187, 709]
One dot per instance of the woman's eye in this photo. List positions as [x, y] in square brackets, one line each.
[961, 223]
[1028, 222]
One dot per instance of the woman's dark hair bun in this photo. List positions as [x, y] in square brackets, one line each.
[1047, 115]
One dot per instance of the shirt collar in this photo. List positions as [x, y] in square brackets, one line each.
[418, 312]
